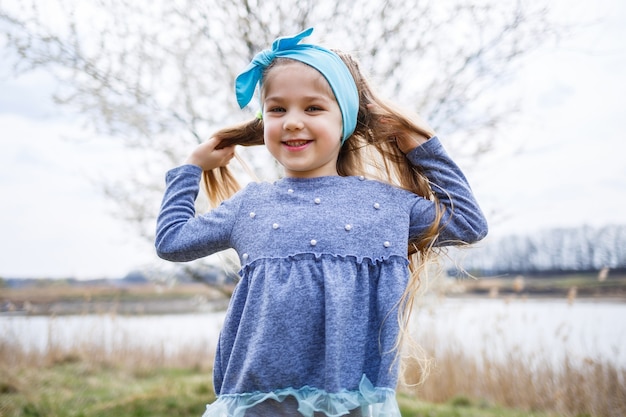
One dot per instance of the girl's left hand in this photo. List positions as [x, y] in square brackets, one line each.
[207, 157]
[408, 139]
[407, 143]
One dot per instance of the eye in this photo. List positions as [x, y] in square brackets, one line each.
[276, 109]
[314, 108]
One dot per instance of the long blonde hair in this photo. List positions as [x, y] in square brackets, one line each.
[371, 150]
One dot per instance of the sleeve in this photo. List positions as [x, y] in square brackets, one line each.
[181, 235]
[463, 221]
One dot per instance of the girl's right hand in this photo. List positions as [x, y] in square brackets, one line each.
[207, 157]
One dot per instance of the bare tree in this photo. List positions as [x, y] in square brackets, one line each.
[158, 75]
[582, 248]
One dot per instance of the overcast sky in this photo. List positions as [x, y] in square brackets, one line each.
[55, 223]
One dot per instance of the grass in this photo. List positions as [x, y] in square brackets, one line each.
[79, 389]
[459, 407]
[86, 382]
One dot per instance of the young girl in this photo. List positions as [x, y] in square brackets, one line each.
[314, 325]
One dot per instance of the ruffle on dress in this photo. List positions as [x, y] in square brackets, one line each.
[368, 401]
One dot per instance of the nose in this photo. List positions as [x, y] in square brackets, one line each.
[293, 122]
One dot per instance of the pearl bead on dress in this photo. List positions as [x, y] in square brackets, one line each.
[348, 227]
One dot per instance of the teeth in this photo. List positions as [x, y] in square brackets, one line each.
[296, 142]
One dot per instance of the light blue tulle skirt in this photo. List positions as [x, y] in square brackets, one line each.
[368, 401]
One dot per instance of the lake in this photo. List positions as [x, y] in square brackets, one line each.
[551, 329]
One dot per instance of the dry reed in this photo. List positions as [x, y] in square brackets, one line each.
[593, 387]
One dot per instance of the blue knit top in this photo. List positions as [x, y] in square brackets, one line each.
[312, 324]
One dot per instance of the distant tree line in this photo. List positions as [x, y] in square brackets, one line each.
[583, 248]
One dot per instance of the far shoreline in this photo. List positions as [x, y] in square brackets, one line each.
[182, 306]
[53, 298]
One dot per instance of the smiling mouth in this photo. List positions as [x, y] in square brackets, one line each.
[296, 143]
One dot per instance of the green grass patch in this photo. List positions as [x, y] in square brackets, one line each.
[76, 390]
[459, 407]
[81, 390]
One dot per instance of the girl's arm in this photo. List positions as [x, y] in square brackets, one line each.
[180, 235]
[463, 220]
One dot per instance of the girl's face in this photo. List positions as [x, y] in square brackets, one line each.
[302, 121]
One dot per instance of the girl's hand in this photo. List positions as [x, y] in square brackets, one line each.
[407, 133]
[407, 143]
[207, 157]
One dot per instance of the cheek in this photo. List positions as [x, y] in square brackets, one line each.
[339, 123]
[271, 136]
[270, 129]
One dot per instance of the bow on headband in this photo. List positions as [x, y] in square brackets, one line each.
[328, 63]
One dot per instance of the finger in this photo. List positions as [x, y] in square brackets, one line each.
[222, 143]
[225, 154]
[213, 143]
[228, 151]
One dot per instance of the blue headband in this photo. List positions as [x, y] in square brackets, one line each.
[323, 60]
